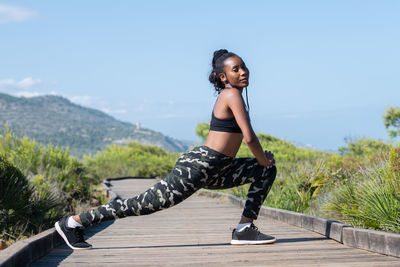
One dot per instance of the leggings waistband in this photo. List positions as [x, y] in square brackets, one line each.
[214, 152]
[206, 157]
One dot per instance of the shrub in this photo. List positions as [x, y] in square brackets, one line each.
[133, 160]
[23, 210]
[50, 169]
[364, 147]
[370, 198]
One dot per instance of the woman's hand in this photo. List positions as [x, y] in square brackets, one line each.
[234, 100]
[270, 157]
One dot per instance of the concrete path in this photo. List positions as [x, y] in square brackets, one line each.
[197, 232]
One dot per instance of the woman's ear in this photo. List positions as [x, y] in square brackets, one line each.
[222, 77]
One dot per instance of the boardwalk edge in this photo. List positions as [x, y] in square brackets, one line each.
[376, 241]
[25, 252]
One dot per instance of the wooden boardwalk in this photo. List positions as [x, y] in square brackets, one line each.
[197, 232]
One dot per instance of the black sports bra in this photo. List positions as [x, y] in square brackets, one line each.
[224, 125]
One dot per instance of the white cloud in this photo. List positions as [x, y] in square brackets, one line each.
[96, 103]
[28, 94]
[114, 111]
[84, 100]
[9, 13]
[28, 83]
[29, 87]
[26, 87]
[6, 83]
[119, 111]
[24, 84]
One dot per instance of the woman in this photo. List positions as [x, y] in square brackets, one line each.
[211, 166]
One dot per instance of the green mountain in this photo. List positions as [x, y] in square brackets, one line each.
[56, 120]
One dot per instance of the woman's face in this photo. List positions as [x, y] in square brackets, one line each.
[235, 72]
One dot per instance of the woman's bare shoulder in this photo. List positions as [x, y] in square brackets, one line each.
[230, 94]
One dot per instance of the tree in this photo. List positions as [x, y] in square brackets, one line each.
[363, 146]
[391, 118]
[202, 130]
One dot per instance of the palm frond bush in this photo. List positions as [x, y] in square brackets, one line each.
[23, 210]
[370, 199]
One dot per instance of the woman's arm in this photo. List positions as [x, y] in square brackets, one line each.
[236, 104]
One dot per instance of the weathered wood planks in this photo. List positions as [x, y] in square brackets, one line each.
[197, 232]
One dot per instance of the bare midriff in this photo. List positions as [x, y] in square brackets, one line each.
[224, 142]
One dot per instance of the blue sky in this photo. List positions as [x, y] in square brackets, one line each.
[320, 70]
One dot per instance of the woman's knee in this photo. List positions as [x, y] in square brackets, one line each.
[269, 175]
[273, 172]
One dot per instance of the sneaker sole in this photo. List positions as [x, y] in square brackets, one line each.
[252, 242]
[61, 233]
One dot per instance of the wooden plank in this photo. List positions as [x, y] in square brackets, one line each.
[197, 232]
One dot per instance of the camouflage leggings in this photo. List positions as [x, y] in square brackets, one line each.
[201, 167]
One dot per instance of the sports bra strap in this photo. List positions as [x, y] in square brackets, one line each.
[224, 125]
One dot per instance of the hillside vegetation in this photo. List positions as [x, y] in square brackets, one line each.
[39, 184]
[360, 186]
[55, 120]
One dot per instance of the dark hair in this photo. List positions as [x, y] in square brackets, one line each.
[218, 67]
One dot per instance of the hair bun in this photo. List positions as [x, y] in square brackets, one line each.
[217, 54]
[218, 67]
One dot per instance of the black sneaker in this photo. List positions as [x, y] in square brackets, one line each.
[72, 236]
[250, 236]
